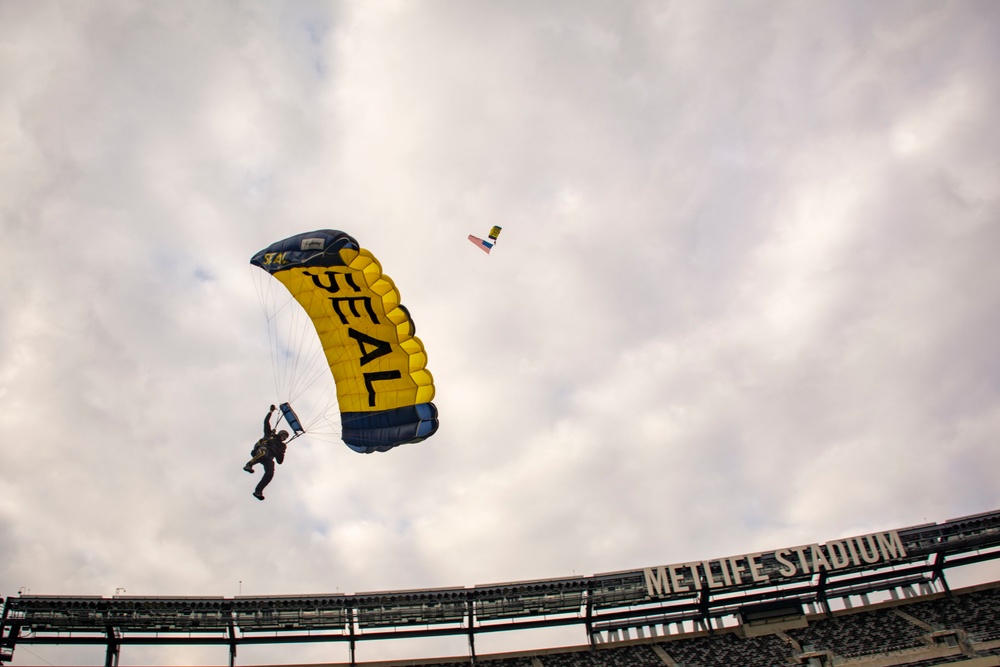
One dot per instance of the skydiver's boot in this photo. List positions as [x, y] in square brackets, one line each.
[249, 467]
[258, 495]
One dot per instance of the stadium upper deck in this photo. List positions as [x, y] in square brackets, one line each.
[749, 588]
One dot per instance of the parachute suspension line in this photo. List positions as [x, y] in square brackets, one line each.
[298, 361]
[266, 297]
[306, 363]
[287, 345]
[310, 363]
[290, 339]
[318, 422]
[295, 338]
[268, 302]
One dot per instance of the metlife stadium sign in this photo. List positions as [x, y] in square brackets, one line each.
[772, 567]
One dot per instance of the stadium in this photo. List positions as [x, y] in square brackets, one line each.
[874, 600]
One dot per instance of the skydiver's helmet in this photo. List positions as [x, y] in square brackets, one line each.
[283, 435]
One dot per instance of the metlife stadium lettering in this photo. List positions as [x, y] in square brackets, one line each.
[793, 562]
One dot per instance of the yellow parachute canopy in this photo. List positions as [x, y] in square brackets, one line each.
[383, 386]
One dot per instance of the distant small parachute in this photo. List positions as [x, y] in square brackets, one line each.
[484, 245]
[383, 387]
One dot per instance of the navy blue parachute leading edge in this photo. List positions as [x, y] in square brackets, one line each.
[383, 386]
[370, 431]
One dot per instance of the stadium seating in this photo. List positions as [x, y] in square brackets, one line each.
[730, 649]
[978, 613]
[625, 656]
[511, 662]
[862, 635]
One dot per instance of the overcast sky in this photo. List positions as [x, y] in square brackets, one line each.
[746, 296]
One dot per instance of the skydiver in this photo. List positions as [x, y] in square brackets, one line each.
[268, 449]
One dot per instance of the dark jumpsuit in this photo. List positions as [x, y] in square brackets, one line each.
[266, 451]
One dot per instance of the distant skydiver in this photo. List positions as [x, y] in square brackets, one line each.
[484, 245]
[268, 449]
